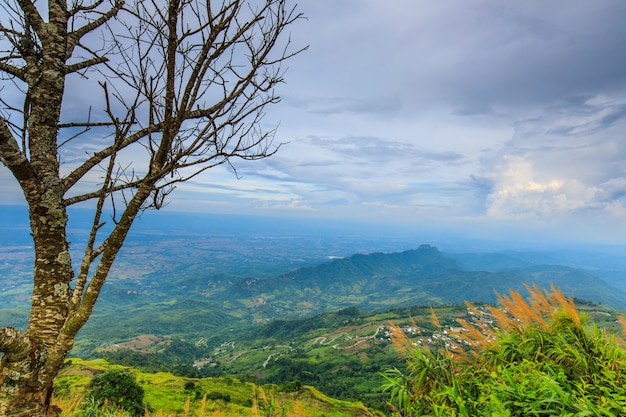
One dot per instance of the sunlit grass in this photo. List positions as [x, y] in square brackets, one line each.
[166, 396]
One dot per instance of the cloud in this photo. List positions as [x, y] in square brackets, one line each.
[337, 105]
[510, 54]
[368, 167]
[489, 112]
[479, 58]
[518, 192]
[568, 161]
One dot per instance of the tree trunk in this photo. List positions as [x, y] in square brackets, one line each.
[31, 364]
[25, 389]
[32, 359]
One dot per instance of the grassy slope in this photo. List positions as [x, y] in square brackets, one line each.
[166, 395]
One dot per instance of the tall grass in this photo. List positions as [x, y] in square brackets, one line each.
[526, 358]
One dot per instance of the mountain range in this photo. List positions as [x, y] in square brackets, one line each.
[424, 276]
[197, 300]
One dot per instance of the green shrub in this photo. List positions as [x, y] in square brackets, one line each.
[117, 389]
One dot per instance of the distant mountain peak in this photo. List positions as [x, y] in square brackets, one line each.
[422, 276]
[428, 247]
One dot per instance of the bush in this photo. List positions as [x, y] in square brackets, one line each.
[190, 386]
[118, 389]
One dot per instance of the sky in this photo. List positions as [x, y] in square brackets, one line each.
[499, 119]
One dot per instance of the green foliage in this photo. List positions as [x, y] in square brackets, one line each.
[544, 362]
[117, 388]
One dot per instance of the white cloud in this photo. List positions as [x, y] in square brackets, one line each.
[564, 165]
[519, 192]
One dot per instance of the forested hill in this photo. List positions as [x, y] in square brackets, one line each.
[357, 269]
[424, 276]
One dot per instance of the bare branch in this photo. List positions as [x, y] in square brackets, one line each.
[13, 70]
[98, 157]
[103, 191]
[77, 34]
[85, 64]
[15, 344]
[32, 15]
[79, 7]
[11, 34]
[91, 253]
[79, 315]
[13, 158]
[85, 124]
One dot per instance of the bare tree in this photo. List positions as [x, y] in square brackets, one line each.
[181, 86]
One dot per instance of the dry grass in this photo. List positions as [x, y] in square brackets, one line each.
[514, 313]
[400, 340]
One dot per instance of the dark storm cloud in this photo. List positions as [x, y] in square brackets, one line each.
[525, 53]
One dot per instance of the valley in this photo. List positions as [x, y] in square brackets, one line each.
[341, 353]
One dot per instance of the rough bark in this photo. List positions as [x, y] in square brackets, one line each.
[28, 373]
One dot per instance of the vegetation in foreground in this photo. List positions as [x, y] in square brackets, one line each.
[341, 354]
[535, 357]
[82, 391]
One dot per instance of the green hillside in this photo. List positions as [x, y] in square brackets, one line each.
[423, 276]
[170, 395]
[528, 357]
[340, 353]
